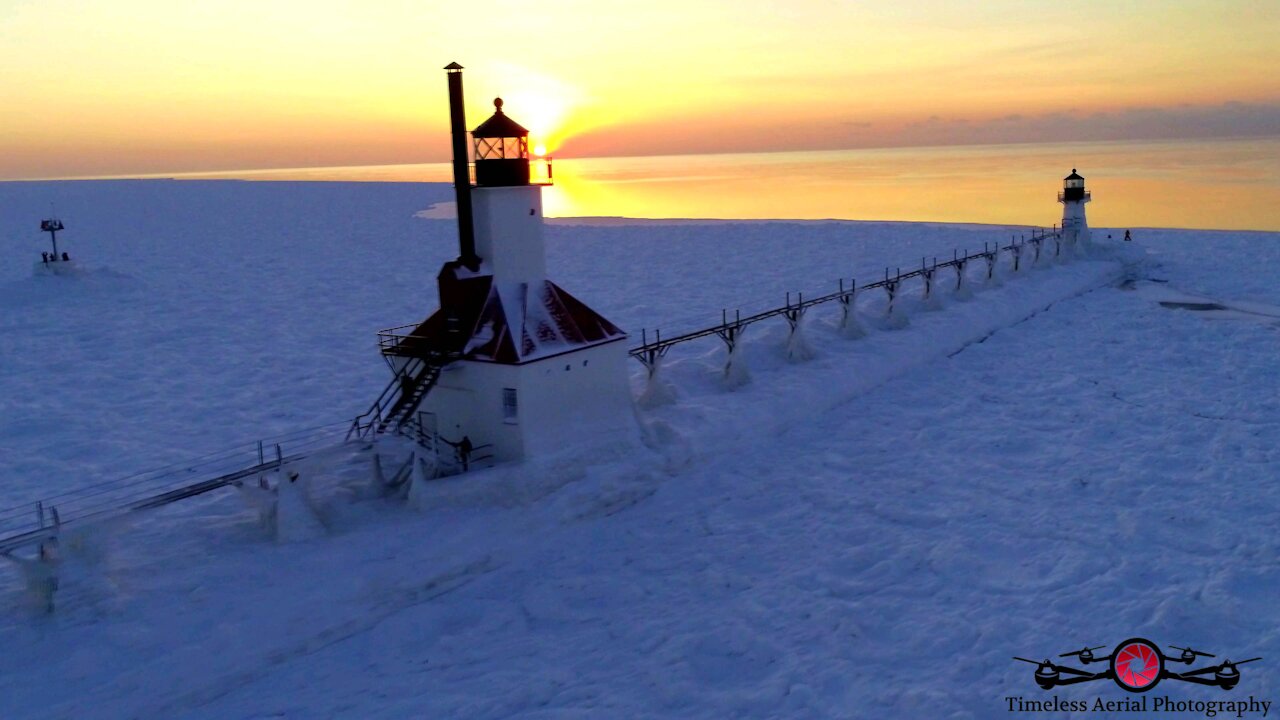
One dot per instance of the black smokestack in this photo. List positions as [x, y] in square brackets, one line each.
[461, 175]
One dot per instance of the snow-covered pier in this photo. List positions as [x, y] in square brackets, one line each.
[649, 353]
[31, 524]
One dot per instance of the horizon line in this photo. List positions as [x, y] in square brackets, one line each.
[187, 174]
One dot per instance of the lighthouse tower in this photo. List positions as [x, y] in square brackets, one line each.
[510, 361]
[1075, 228]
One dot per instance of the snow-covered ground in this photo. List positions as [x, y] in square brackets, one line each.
[1060, 460]
[217, 312]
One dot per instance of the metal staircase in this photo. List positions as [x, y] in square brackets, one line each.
[413, 390]
[402, 396]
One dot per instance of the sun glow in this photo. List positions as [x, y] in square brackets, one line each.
[549, 108]
[137, 86]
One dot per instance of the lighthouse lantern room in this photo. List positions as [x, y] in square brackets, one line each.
[501, 150]
[510, 360]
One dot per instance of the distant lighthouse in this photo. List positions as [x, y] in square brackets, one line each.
[510, 365]
[1075, 228]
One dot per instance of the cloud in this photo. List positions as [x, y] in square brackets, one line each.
[1175, 121]
[1228, 119]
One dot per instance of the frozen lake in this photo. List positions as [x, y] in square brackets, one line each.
[1066, 458]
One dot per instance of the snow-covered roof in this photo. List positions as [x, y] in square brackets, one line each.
[511, 324]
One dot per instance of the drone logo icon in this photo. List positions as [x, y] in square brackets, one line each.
[1137, 665]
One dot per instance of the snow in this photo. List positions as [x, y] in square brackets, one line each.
[296, 520]
[1058, 460]
[220, 312]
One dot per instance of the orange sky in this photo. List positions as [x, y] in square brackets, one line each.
[141, 86]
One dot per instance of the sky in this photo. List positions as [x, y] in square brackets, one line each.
[139, 86]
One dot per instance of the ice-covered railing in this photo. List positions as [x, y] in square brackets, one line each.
[449, 459]
[33, 522]
[653, 346]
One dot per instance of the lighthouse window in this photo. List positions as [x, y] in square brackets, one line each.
[510, 405]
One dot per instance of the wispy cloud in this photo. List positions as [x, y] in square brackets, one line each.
[1180, 121]
[1229, 119]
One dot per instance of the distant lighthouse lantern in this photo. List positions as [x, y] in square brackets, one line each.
[1073, 188]
[501, 151]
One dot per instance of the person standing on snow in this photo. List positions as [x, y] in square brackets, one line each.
[464, 452]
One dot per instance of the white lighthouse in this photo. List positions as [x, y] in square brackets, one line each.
[510, 363]
[1075, 228]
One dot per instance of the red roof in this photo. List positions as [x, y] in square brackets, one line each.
[510, 325]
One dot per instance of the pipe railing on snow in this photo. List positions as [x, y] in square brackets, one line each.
[648, 352]
[33, 522]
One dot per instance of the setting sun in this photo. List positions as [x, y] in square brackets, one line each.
[550, 108]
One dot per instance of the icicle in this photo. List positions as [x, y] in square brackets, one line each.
[296, 521]
[962, 290]
[798, 347]
[850, 326]
[657, 390]
[418, 478]
[262, 500]
[378, 478]
[894, 318]
[380, 484]
[1016, 249]
[1037, 259]
[89, 545]
[929, 299]
[993, 268]
[39, 574]
[735, 368]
